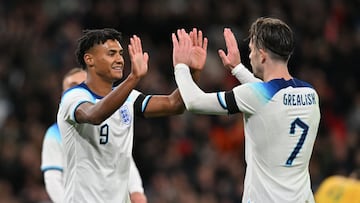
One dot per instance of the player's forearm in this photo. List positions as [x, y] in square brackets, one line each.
[194, 98]
[243, 74]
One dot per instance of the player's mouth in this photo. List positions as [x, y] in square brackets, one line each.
[117, 68]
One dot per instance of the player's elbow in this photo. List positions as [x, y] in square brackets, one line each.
[179, 107]
[88, 113]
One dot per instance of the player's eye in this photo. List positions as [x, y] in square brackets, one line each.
[112, 53]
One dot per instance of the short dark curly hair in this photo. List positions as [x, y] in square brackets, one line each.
[274, 35]
[93, 37]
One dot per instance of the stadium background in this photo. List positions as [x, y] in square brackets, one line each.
[187, 158]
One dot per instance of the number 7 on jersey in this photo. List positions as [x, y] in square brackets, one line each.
[305, 127]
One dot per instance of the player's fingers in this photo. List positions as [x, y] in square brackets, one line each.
[130, 47]
[223, 57]
[138, 46]
[186, 39]
[205, 44]
[175, 41]
[230, 40]
[200, 38]
[227, 38]
[134, 45]
[193, 37]
[221, 54]
[146, 57]
[181, 37]
[131, 52]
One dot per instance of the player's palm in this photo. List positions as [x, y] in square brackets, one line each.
[198, 50]
[198, 58]
[139, 64]
[231, 59]
[139, 59]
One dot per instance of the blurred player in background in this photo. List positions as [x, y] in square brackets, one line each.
[96, 120]
[339, 189]
[52, 157]
[281, 113]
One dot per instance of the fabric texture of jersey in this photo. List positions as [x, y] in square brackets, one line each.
[281, 122]
[51, 155]
[97, 157]
[135, 182]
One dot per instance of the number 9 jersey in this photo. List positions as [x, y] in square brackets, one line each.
[96, 157]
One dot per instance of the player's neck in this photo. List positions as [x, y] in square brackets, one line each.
[99, 86]
[276, 71]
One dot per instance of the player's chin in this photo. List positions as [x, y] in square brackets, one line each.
[117, 74]
[118, 77]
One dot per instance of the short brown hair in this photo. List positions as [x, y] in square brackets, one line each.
[274, 35]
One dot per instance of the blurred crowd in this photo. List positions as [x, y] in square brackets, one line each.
[187, 158]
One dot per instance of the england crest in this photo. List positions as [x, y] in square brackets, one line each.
[125, 115]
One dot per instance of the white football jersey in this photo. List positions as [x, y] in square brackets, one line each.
[51, 154]
[281, 122]
[135, 182]
[97, 157]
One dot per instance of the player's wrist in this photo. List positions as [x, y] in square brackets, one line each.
[237, 69]
[134, 77]
[181, 66]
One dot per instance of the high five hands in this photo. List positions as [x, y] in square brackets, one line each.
[190, 48]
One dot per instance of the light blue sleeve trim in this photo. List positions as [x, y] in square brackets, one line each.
[90, 96]
[48, 168]
[145, 102]
[221, 99]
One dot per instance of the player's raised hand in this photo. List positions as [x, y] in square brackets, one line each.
[139, 59]
[198, 50]
[232, 58]
[182, 46]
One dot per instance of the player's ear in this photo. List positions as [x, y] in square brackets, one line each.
[89, 60]
[263, 55]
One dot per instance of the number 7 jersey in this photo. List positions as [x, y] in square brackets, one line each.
[281, 123]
